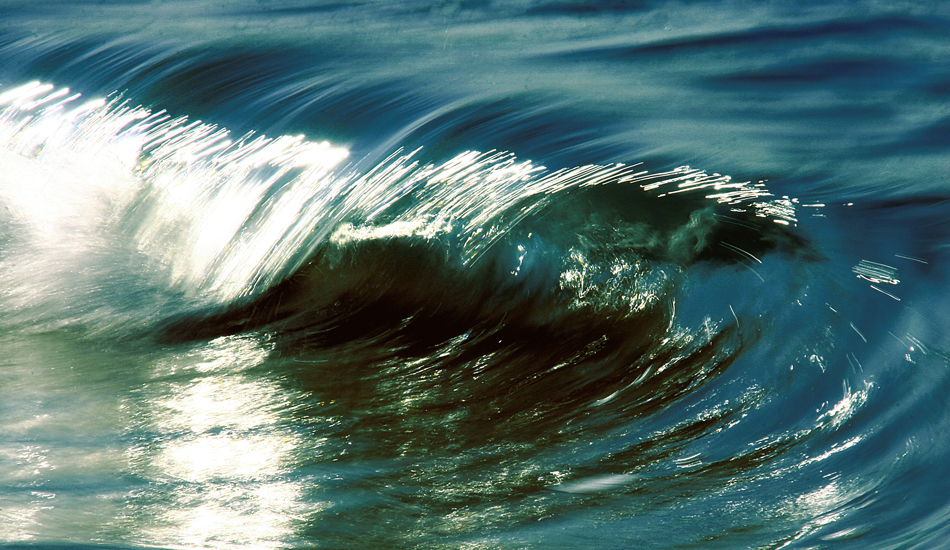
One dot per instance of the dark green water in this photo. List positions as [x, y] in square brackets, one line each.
[387, 275]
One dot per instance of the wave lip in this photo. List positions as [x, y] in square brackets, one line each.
[211, 220]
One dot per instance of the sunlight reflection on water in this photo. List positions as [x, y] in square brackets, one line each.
[222, 448]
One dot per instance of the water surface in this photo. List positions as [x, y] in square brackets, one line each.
[527, 274]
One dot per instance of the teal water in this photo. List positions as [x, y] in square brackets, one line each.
[474, 275]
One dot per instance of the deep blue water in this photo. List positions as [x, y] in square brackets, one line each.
[527, 274]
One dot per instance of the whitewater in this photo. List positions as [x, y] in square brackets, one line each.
[527, 274]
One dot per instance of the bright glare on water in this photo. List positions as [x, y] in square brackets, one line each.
[474, 274]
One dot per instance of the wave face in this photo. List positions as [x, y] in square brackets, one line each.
[347, 275]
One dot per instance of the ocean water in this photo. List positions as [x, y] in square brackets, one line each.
[474, 274]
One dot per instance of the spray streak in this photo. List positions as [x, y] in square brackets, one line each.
[229, 218]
